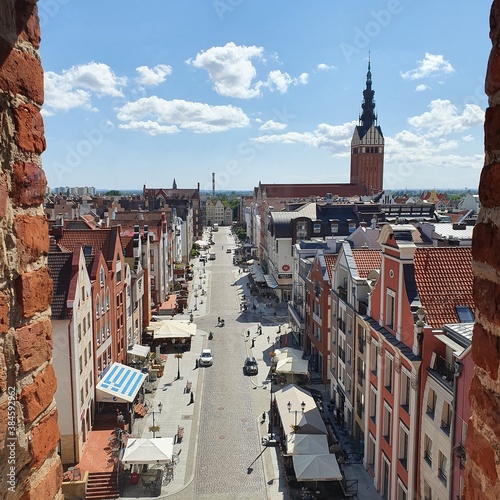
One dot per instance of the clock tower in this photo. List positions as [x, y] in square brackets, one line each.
[367, 145]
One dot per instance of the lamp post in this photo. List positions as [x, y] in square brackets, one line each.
[178, 356]
[154, 429]
[302, 406]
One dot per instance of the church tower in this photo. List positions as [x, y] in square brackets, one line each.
[367, 145]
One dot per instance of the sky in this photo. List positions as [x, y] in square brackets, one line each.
[142, 93]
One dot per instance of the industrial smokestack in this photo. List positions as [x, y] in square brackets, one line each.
[213, 184]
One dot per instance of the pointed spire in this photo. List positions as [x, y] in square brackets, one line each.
[174, 185]
[368, 116]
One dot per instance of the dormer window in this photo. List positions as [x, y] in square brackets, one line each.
[317, 227]
[334, 227]
[465, 314]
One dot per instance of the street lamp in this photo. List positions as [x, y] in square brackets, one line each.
[302, 406]
[178, 356]
[154, 429]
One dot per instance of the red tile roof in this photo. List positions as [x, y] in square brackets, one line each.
[444, 280]
[366, 260]
[330, 262]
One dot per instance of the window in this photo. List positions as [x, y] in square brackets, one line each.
[373, 358]
[465, 314]
[301, 229]
[361, 371]
[370, 459]
[352, 227]
[442, 468]
[446, 418]
[427, 491]
[361, 339]
[389, 320]
[97, 306]
[81, 365]
[388, 373]
[107, 298]
[405, 390]
[428, 450]
[386, 423]
[373, 403]
[79, 332]
[403, 445]
[101, 276]
[317, 227]
[402, 492]
[431, 403]
[334, 227]
[386, 474]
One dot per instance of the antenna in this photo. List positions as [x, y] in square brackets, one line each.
[213, 185]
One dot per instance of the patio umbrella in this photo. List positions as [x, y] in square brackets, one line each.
[316, 468]
[148, 451]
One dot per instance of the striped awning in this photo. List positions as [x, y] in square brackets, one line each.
[120, 384]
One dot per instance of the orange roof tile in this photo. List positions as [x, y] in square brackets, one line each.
[330, 262]
[444, 279]
[366, 260]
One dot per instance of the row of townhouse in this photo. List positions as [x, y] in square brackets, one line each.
[105, 282]
[389, 328]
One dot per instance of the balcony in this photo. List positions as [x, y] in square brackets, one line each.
[341, 325]
[443, 371]
[342, 293]
[296, 316]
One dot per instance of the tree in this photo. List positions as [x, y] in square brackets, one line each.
[113, 192]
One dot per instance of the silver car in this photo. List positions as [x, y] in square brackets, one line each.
[206, 358]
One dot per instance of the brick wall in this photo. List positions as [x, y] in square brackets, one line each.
[483, 436]
[29, 464]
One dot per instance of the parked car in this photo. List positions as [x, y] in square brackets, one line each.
[206, 358]
[250, 367]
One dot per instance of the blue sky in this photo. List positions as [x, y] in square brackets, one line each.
[257, 90]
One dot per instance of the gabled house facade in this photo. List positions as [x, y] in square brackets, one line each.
[73, 353]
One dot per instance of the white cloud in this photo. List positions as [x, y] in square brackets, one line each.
[421, 87]
[467, 138]
[230, 69]
[335, 138]
[153, 76]
[430, 65]
[272, 125]
[74, 87]
[154, 115]
[324, 67]
[443, 118]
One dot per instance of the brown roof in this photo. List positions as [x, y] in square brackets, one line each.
[330, 262]
[366, 260]
[307, 190]
[444, 278]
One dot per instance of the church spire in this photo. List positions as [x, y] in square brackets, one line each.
[368, 116]
[174, 185]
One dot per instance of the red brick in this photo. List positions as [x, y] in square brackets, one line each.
[489, 186]
[37, 396]
[28, 25]
[485, 235]
[3, 372]
[485, 405]
[44, 439]
[32, 233]
[481, 453]
[492, 128]
[486, 351]
[34, 292]
[485, 298]
[34, 344]
[28, 184]
[29, 128]
[4, 313]
[492, 84]
[48, 485]
[20, 73]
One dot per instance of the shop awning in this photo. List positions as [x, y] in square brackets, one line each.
[307, 444]
[172, 329]
[257, 273]
[316, 468]
[120, 384]
[141, 351]
[270, 281]
[148, 451]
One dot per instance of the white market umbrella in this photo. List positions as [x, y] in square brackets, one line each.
[316, 468]
[148, 451]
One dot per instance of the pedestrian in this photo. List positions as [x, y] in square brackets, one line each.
[191, 399]
[218, 320]
[268, 339]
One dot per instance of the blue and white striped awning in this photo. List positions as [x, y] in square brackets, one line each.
[120, 384]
